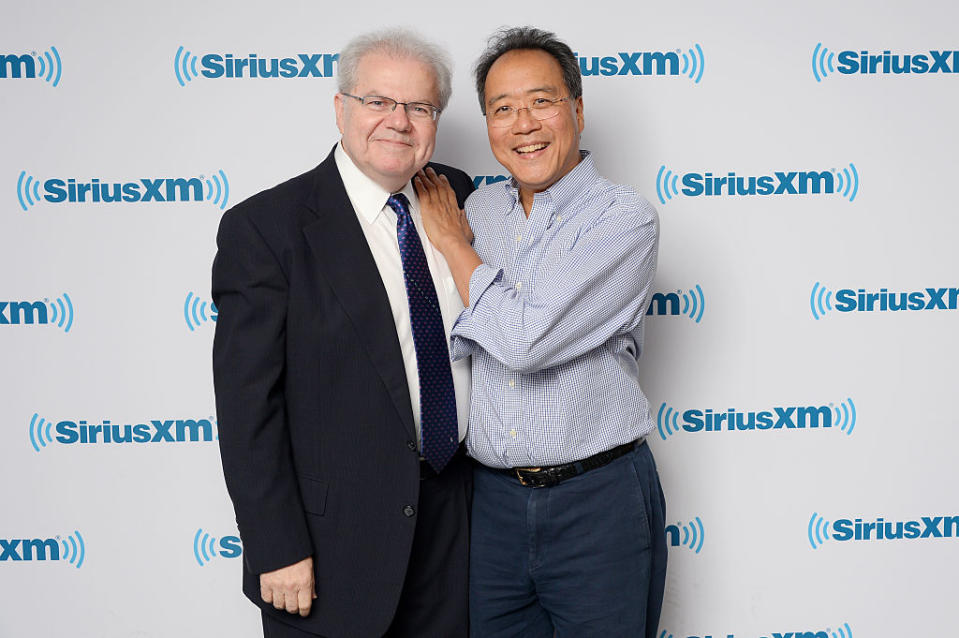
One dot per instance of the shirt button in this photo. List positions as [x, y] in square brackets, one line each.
[512, 383]
[519, 285]
[512, 433]
[409, 511]
[559, 218]
[411, 445]
[519, 238]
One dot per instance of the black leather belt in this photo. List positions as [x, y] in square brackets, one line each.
[555, 474]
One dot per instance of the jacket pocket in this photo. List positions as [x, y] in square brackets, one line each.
[313, 491]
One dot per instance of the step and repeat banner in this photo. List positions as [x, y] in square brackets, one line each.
[801, 346]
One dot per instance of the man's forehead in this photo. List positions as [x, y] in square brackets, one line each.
[523, 72]
[376, 69]
[544, 88]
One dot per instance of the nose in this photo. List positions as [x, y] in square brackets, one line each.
[398, 119]
[525, 122]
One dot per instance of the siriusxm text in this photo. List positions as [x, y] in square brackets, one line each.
[170, 189]
[29, 549]
[796, 417]
[630, 63]
[230, 546]
[17, 66]
[22, 312]
[857, 529]
[156, 431]
[304, 65]
[864, 62]
[849, 300]
[779, 183]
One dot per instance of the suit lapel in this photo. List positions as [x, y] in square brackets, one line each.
[341, 249]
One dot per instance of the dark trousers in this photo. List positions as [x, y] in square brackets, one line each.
[584, 558]
[434, 600]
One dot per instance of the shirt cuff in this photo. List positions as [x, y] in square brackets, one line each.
[461, 343]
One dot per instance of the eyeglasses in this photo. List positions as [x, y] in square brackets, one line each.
[542, 108]
[421, 111]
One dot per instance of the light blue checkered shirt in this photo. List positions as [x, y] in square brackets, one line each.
[555, 323]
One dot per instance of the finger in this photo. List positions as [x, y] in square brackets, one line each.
[434, 178]
[266, 593]
[419, 183]
[292, 606]
[304, 601]
[448, 193]
[429, 188]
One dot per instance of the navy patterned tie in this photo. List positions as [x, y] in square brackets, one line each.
[437, 399]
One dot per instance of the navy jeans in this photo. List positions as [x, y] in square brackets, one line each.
[584, 558]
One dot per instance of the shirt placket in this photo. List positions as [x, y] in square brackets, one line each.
[513, 387]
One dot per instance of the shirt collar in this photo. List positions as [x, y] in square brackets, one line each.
[368, 197]
[568, 187]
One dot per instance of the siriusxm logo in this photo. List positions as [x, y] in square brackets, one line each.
[693, 303]
[58, 312]
[814, 417]
[842, 631]
[187, 66]
[207, 547]
[689, 63]
[215, 189]
[194, 311]
[46, 66]
[885, 63]
[153, 431]
[819, 530]
[844, 183]
[482, 180]
[693, 534]
[858, 300]
[56, 548]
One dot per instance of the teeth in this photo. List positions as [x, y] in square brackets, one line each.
[531, 148]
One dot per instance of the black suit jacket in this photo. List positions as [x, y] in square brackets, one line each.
[315, 422]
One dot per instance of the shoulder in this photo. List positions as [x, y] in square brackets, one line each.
[458, 179]
[617, 203]
[273, 209]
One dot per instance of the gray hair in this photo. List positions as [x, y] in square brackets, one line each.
[528, 38]
[399, 43]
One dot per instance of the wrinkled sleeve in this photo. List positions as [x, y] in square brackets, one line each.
[599, 288]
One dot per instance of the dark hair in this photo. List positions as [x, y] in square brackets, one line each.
[506, 40]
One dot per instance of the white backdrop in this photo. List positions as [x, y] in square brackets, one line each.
[137, 539]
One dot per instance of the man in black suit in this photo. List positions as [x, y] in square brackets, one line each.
[340, 418]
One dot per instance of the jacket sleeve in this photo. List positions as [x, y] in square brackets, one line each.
[250, 291]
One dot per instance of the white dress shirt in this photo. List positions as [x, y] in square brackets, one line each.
[378, 222]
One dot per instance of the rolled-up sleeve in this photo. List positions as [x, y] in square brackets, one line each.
[600, 287]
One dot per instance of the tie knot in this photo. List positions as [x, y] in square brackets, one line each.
[399, 204]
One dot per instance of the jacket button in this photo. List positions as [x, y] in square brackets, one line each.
[409, 511]
[411, 445]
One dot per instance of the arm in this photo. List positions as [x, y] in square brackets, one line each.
[249, 363]
[446, 226]
[598, 289]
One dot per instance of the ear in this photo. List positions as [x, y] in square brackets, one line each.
[580, 121]
[339, 106]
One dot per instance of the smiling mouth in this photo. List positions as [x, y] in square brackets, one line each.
[531, 148]
[397, 142]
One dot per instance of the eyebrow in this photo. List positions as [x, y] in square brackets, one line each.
[539, 89]
[416, 101]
